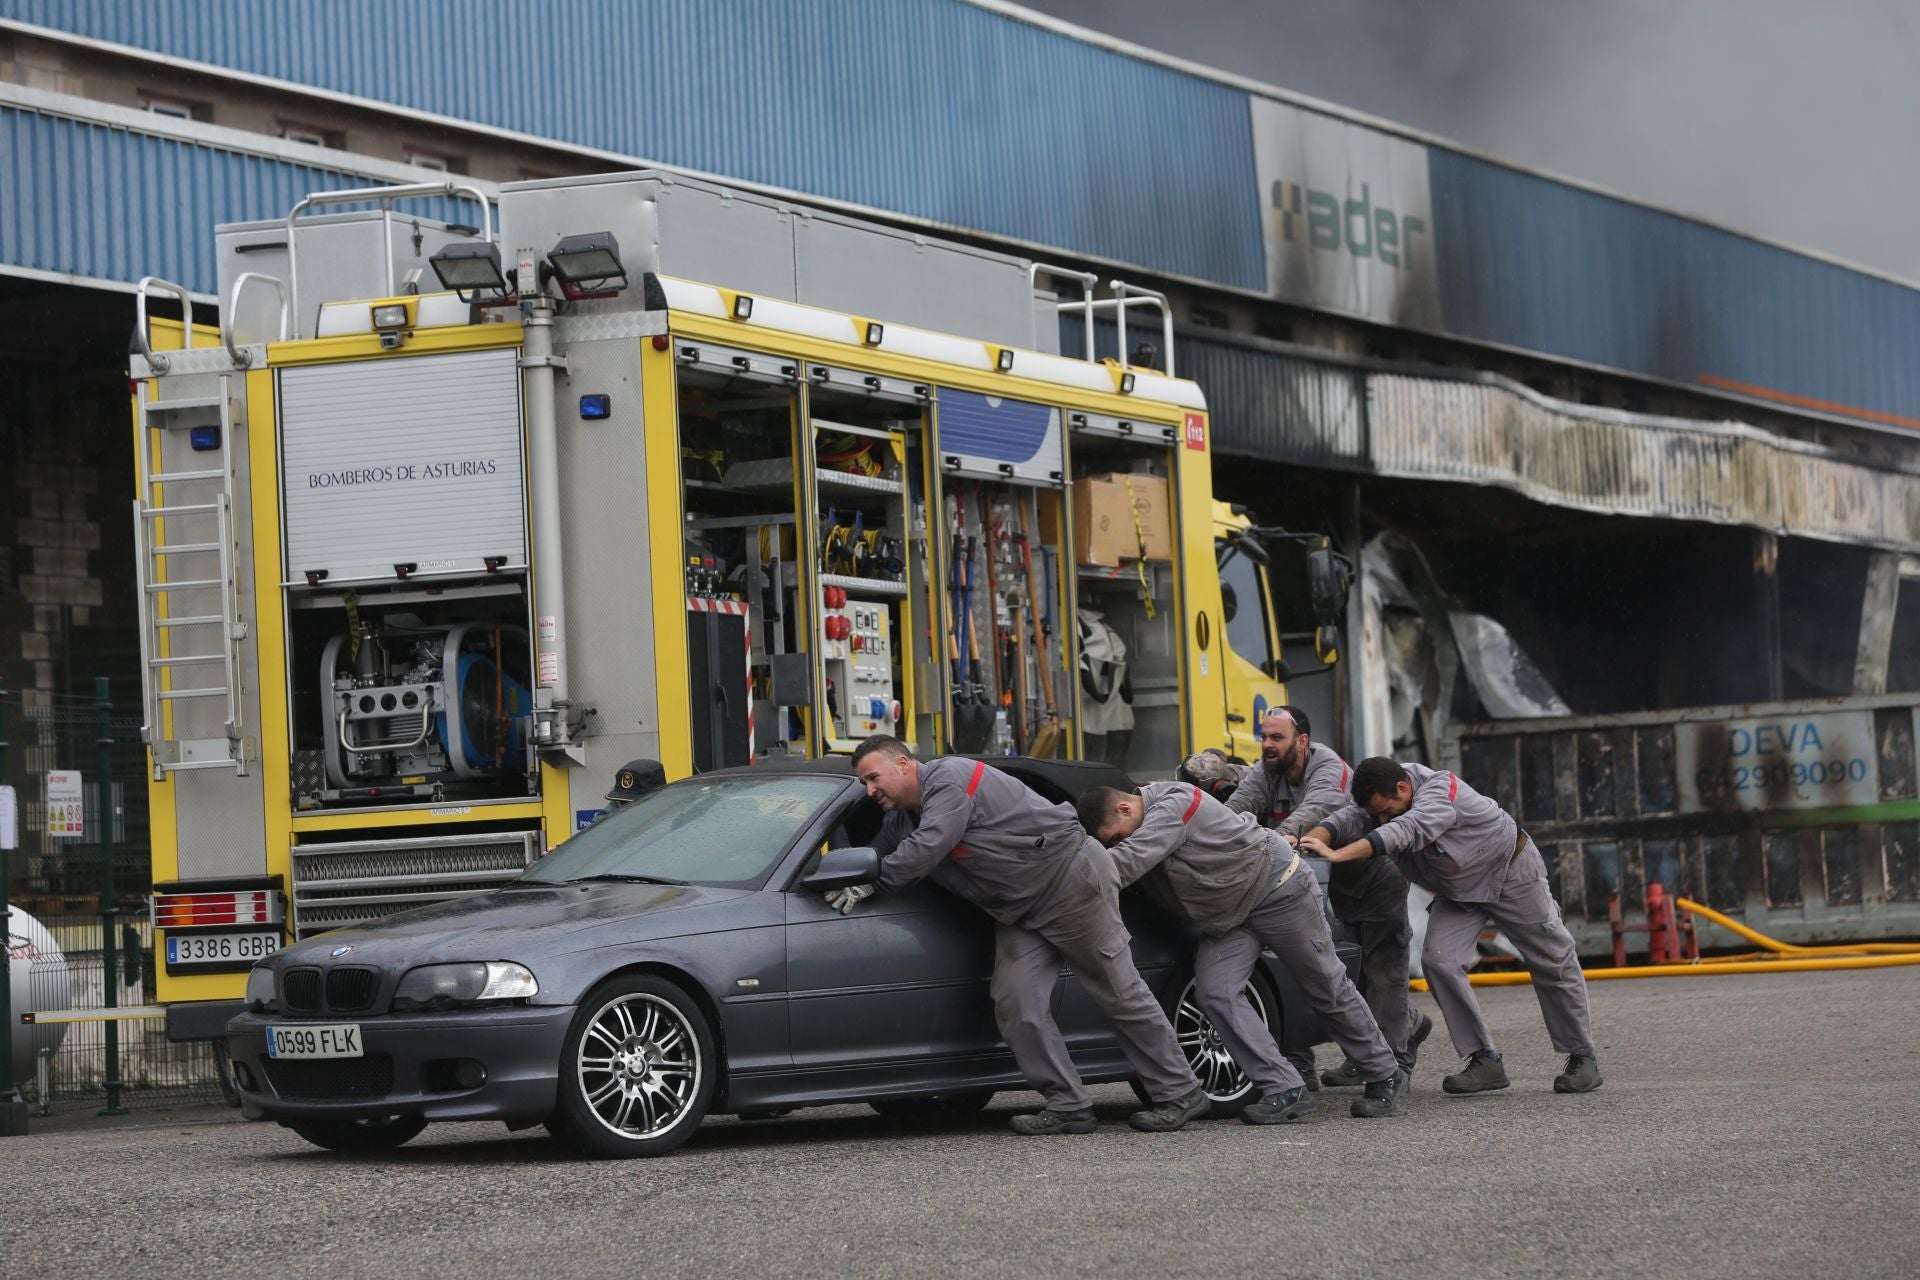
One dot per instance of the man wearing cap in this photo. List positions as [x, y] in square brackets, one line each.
[1481, 868]
[1246, 888]
[1213, 771]
[635, 779]
[985, 837]
[1297, 783]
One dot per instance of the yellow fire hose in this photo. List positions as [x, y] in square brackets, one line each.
[1788, 948]
[1787, 958]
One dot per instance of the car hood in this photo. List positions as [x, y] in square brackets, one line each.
[523, 922]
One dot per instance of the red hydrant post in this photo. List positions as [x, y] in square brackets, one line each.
[1658, 913]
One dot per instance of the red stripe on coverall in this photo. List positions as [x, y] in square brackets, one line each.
[973, 785]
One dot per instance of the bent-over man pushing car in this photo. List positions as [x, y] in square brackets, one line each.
[1245, 888]
[987, 838]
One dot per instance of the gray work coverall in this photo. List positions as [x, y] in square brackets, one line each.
[1244, 888]
[1369, 896]
[985, 837]
[1481, 868]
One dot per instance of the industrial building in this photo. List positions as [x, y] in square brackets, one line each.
[1594, 461]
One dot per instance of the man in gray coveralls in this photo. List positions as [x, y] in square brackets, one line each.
[987, 838]
[1298, 782]
[1246, 888]
[1481, 867]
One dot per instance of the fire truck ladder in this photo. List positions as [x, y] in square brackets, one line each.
[186, 562]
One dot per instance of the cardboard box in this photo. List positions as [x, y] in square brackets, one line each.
[1104, 530]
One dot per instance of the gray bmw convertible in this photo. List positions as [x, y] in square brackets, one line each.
[676, 960]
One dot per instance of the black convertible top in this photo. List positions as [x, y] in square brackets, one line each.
[1061, 781]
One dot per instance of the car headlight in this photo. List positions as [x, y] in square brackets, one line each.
[260, 990]
[448, 986]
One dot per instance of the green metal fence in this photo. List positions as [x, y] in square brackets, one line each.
[93, 948]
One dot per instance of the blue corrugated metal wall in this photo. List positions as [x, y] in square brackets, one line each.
[930, 108]
[944, 111]
[111, 204]
[1539, 265]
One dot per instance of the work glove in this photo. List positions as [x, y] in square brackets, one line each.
[843, 900]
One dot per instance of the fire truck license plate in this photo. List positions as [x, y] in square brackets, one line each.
[337, 1040]
[221, 948]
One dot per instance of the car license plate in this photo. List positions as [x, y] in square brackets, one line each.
[222, 948]
[333, 1040]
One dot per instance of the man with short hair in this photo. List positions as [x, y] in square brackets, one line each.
[1297, 783]
[1481, 867]
[1245, 888]
[985, 837]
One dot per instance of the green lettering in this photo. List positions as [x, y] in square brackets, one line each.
[1323, 220]
[1360, 246]
[1386, 236]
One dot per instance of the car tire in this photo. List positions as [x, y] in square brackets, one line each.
[934, 1108]
[1222, 1078]
[377, 1133]
[637, 1071]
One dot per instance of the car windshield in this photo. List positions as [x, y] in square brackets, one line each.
[725, 832]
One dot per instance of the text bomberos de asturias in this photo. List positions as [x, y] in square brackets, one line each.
[402, 472]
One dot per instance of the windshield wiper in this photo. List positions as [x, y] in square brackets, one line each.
[624, 879]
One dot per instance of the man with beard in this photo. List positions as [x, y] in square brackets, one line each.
[1297, 783]
[985, 837]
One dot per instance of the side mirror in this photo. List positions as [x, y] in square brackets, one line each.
[1327, 579]
[843, 869]
[1278, 669]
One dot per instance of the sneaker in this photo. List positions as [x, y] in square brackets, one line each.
[1581, 1076]
[1303, 1064]
[1046, 1123]
[1173, 1114]
[1344, 1076]
[1417, 1038]
[1382, 1097]
[1480, 1074]
[1282, 1106]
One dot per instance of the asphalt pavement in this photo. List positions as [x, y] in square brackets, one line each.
[1748, 1127]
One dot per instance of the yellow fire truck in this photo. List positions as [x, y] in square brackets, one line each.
[444, 524]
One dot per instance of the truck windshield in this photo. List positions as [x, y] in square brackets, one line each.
[722, 832]
[1244, 601]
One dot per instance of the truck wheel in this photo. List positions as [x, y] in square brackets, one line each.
[1219, 1074]
[637, 1072]
[380, 1133]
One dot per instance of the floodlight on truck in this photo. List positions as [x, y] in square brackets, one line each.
[589, 266]
[472, 270]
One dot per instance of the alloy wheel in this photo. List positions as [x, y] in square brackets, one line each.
[639, 1065]
[1206, 1053]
